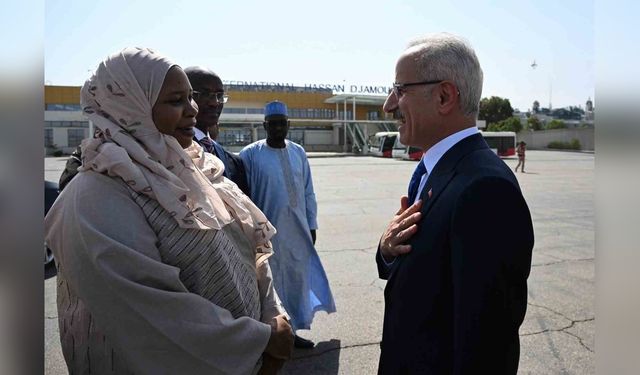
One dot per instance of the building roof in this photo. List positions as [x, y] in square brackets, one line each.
[360, 99]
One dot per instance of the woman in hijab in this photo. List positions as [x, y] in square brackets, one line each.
[162, 262]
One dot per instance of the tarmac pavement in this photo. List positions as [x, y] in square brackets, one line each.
[356, 198]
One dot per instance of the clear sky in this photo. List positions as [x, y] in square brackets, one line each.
[336, 42]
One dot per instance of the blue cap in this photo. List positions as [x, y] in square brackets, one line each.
[275, 108]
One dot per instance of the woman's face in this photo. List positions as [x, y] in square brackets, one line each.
[174, 112]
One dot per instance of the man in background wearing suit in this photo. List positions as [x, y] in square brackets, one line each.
[457, 254]
[208, 92]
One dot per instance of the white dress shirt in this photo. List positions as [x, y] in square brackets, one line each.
[431, 157]
[200, 134]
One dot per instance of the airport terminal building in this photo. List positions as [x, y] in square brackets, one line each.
[324, 117]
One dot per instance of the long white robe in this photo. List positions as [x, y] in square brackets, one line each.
[282, 187]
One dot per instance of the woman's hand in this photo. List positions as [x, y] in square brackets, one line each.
[280, 343]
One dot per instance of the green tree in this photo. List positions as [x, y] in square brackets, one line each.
[556, 124]
[512, 124]
[534, 124]
[495, 109]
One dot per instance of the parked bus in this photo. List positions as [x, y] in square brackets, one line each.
[399, 150]
[412, 153]
[387, 145]
[382, 144]
[406, 152]
[502, 143]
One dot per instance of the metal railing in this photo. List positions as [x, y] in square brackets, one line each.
[358, 139]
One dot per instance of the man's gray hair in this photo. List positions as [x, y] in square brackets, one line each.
[449, 57]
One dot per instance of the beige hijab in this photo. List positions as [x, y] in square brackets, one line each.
[188, 183]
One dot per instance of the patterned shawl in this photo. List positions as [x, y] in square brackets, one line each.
[188, 183]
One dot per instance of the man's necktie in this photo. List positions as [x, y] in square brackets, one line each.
[415, 181]
[207, 144]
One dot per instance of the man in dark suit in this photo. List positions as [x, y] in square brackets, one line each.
[457, 254]
[208, 92]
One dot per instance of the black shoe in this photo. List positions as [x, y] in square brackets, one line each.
[301, 343]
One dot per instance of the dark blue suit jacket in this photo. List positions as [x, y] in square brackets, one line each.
[454, 304]
[233, 167]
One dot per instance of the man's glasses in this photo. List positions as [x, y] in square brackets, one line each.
[400, 88]
[220, 96]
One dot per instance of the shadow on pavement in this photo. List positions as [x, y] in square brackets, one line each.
[324, 358]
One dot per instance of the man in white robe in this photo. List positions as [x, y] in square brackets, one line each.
[280, 177]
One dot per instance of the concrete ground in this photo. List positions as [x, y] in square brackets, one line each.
[356, 198]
